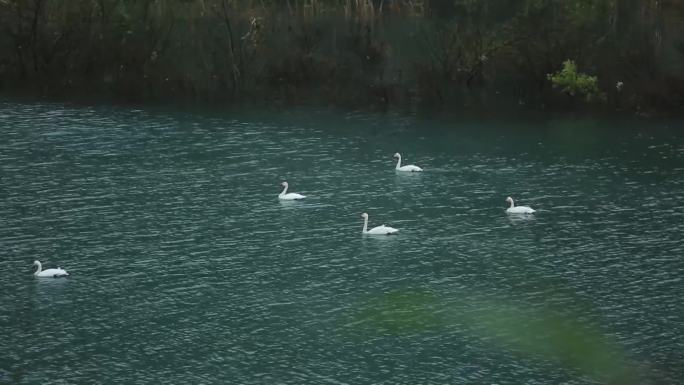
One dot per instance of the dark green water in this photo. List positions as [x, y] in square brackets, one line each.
[186, 269]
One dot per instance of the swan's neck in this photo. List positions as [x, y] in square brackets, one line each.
[398, 162]
[284, 191]
[512, 204]
[39, 269]
[365, 225]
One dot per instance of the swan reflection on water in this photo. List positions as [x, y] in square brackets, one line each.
[402, 175]
[521, 218]
[387, 243]
[290, 203]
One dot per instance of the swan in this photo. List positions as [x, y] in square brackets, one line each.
[289, 196]
[407, 168]
[380, 230]
[518, 209]
[49, 273]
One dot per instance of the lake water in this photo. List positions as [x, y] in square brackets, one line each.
[186, 269]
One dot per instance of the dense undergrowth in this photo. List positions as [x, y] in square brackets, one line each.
[625, 55]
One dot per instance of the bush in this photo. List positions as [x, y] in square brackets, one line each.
[576, 83]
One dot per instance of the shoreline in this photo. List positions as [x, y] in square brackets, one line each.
[420, 111]
[549, 56]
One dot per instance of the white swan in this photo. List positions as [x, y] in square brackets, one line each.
[289, 196]
[518, 209]
[408, 167]
[49, 273]
[380, 230]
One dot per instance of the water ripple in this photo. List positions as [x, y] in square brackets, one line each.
[187, 269]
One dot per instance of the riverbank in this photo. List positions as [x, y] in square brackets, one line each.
[625, 56]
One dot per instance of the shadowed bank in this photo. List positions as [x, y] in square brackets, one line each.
[623, 55]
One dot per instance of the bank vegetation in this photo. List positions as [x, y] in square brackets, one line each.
[624, 55]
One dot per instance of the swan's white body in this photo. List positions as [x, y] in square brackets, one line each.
[513, 209]
[285, 196]
[379, 230]
[49, 273]
[408, 167]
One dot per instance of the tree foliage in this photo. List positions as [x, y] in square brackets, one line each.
[576, 83]
[453, 53]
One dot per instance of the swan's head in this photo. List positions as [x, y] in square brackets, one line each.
[364, 215]
[509, 200]
[36, 263]
[284, 184]
[396, 155]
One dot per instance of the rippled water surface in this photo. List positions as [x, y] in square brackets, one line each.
[186, 269]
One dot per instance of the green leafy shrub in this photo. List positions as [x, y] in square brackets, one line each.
[576, 83]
